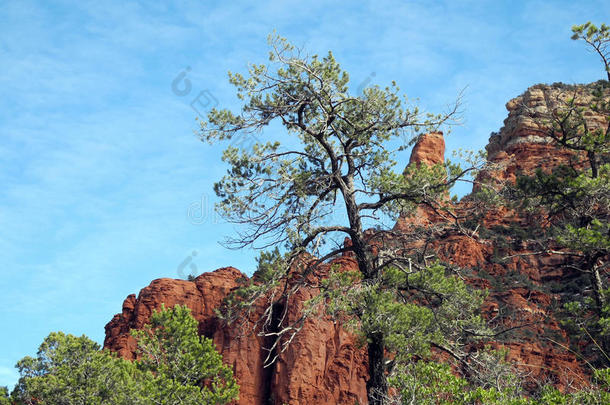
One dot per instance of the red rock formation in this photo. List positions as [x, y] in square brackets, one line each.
[429, 149]
[323, 365]
[522, 145]
[203, 296]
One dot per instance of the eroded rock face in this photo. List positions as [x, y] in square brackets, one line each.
[202, 296]
[324, 365]
[528, 116]
[522, 145]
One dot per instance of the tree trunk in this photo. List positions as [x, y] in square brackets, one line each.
[377, 385]
[600, 301]
[597, 284]
[593, 163]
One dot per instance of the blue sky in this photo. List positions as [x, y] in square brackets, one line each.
[99, 166]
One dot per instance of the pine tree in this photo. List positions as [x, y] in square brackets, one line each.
[177, 367]
[182, 367]
[337, 155]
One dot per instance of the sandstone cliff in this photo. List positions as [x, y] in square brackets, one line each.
[324, 365]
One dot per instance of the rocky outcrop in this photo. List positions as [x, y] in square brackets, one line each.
[202, 296]
[429, 149]
[324, 364]
[522, 145]
[529, 116]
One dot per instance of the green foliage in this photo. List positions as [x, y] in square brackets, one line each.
[4, 398]
[597, 394]
[431, 383]
[73, 370]
[576, 202]
[597, 38]
[567, 193]
[177, 362]
[411, 310]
